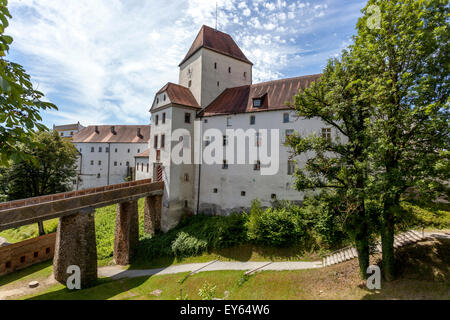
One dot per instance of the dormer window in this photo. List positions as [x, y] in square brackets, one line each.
[257, 103]
[157, 100]
[164, 97]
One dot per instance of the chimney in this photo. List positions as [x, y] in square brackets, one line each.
[96, 130]
[139, 132]
[113, 130]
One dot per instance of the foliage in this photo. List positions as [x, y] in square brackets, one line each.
[280, 226]
[195, 235]
[20, 103]
[207, 291]
[50, 168]
[406, 80]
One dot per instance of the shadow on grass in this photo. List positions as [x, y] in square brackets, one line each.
[20, 274]
[104, 289]
[423, 272]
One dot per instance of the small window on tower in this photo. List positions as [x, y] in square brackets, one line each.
[245, 75]
[164, 118]
[229, 69]
[218, 83]
[156, 120]
[155, 142]
[163, 141]
[190, 83]
[215, 65]
[252, 120]
[187, 117]
[186, 177]
[215, 190]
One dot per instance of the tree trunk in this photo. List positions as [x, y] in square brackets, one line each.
[362, 246]
[41, 228]
[387, 238]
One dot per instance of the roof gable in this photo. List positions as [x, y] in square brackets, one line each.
[178, 95]
[218, 41]
[275, 95]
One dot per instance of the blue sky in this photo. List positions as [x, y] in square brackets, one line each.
[102, 61]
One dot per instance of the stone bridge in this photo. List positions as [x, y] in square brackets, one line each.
[75, 238]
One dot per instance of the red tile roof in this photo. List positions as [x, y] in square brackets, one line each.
[275, 95]
[123, 134]
[144, 154]
[179, 95]
[218, 41]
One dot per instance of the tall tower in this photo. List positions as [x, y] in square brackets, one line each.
[213, 63]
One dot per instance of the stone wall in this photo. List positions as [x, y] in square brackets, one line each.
[23, 254]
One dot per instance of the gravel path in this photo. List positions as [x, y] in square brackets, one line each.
[116, 272]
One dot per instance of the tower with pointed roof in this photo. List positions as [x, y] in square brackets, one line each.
[213, 63]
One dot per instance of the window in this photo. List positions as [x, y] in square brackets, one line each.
[257, 103]
[229, 69]
[139, 151]
[245, 75]
[215, 65]
[163, 140]
[71, 133]
[228, 121]
[291, 167]
[81, 150]
[157, 100]
[158, 155]
[186, 177]
[156, 119]
[215, 190]
[92, 149]
[74, 182]
[8, 264]
[98, 175]
[190, 83]
[218, 83]
[47, 250]
[99, 162]
[225, 140]
[128, 163]
[22, 259]
[252, 120]
[225, 164]
[273, 196]
[106, 149]
[186, 203]
[148, 167]
[137, 165]
[142, 167]
[62, 134]
[99, 149]
[257, 165]
[92, 162]
[128, 150]
[205, 121]
[164, 97]
[164, 118]
[115, 150]
[155, 142]
[286, 117]
[187, 117]
[326, 133]
[115, 163]
[242, 193]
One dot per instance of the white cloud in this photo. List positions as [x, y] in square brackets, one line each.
[104, 60]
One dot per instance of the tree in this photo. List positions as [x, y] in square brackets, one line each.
[20, 103]
[406, 80]
[50, 168]
[338, 163]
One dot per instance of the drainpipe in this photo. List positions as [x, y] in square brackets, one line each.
[200, 165]
[109, 160]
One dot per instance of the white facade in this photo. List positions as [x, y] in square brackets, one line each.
[69, 130]
[104, 164]
[213, 188]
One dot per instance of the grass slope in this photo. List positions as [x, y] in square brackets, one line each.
[424, 274]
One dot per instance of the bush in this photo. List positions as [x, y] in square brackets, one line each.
[195, 235]
[280, 226]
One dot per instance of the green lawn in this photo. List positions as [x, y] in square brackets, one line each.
[424, 275]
